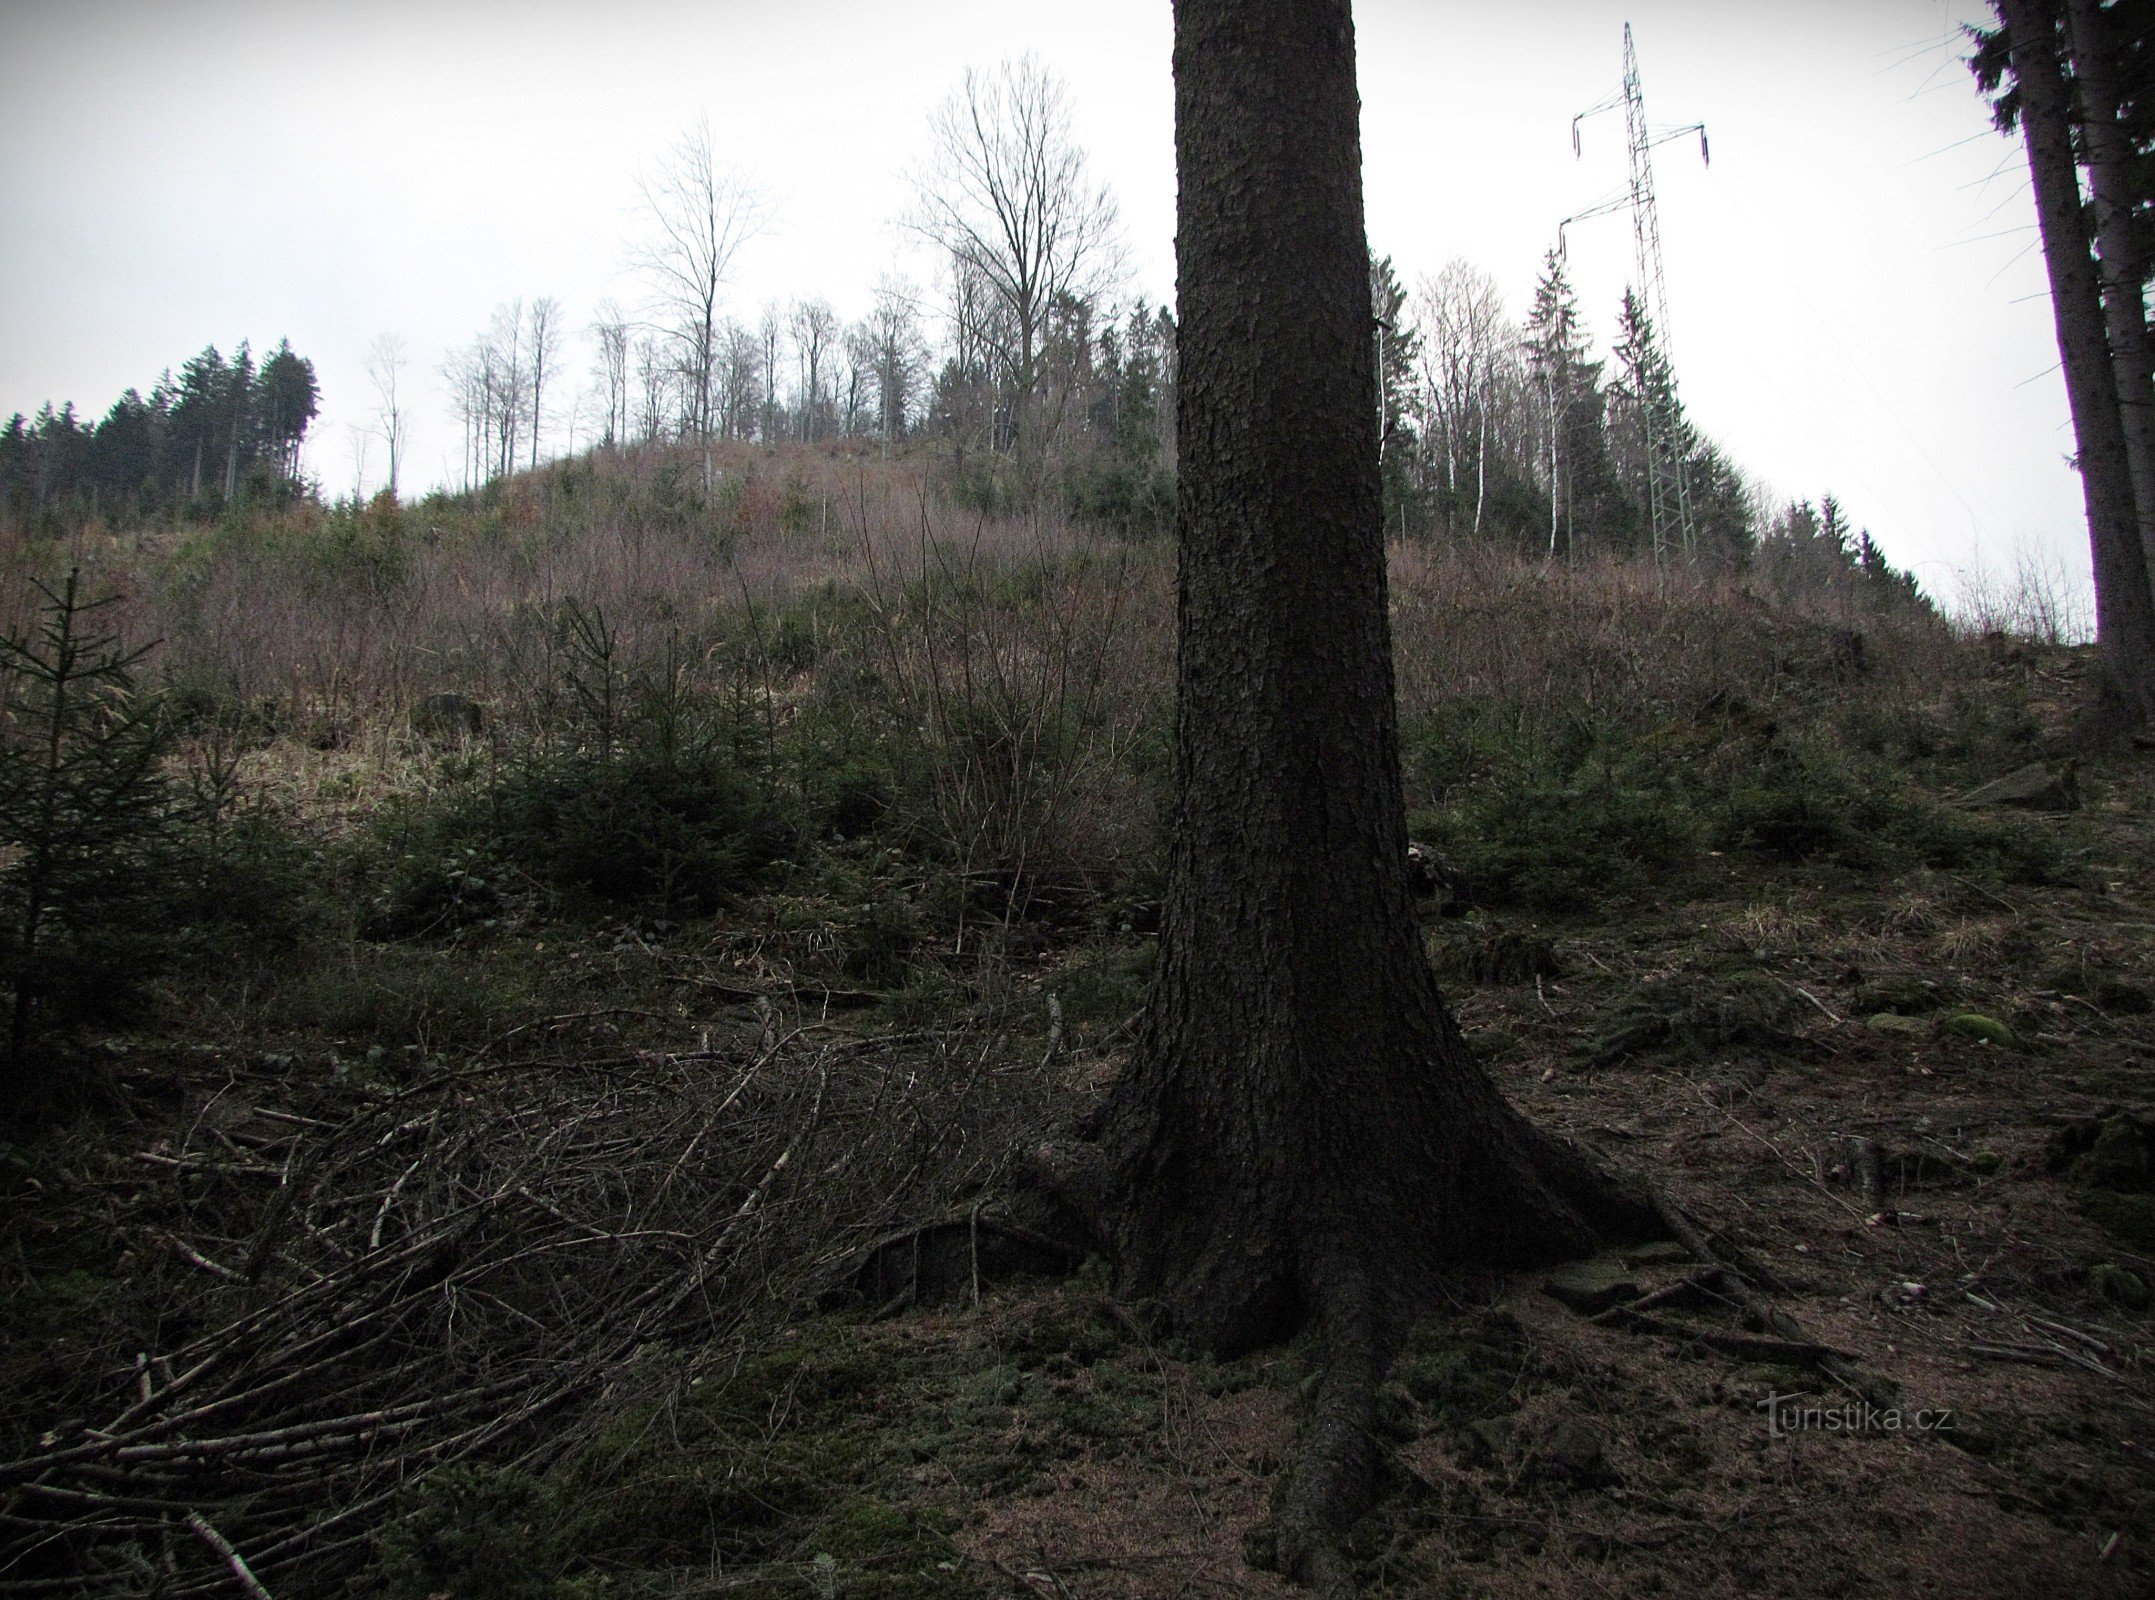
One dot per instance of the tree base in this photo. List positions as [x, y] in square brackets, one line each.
[1352, 1212]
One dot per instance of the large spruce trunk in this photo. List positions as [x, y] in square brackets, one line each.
[1301, 1135]
[2097, 57]
[2124, 602]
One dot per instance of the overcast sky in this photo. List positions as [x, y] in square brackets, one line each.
[1857, 305]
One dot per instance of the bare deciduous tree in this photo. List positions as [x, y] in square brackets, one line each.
[855, 399]
[489, 386]
[385, 367]
[900, 354]
[508, 381]
[1467, 349]
[814, 326]
[700, 215]
[543, 337]
[768, 328]
[1006, 196]
[740, 389]
[654, 389]
[611, 329]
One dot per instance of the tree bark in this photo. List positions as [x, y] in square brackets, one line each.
[1301, 1136]
[2124, 273]
[2124, 603]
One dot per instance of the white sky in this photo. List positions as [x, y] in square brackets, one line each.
[1856, 303]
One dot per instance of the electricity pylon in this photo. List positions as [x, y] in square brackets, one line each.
[1667, 472]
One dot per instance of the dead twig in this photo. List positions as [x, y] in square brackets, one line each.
[232, 1558]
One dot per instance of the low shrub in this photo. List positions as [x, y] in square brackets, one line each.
[681, 832]
[471, 1533]
[1569, 849]
[396, 1005]
[678, 832]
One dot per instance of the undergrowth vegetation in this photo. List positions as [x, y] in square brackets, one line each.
[759, 825]
[826, 681]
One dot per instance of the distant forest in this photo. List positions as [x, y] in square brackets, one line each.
[220, 432]
[1028, 375]
[1496, 435]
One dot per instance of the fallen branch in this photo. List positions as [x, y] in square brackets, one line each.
[1692, 1284]
[232, 1558]
[1787, 1332]
[1795, 1352]
[216, 1269]
[411, 1307]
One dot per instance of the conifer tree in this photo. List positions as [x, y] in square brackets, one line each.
[289, 400]
[1399, 350]
[1301, 1137]
[1659, 439]
[86, 814]
[2039, 102]
[1586, 504]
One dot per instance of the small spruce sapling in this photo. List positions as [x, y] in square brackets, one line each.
[88, 818]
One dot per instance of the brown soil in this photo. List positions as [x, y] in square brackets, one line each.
[1738, 1047]
[1969, 1292]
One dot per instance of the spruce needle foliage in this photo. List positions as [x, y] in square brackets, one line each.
[89, 822]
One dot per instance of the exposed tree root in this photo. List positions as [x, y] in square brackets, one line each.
[1788, 1342]
[1725, 1259]
[1334, 1477]
[1363, 1276]
[953, 1257]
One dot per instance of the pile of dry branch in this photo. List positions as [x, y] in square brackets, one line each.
[460, 1269]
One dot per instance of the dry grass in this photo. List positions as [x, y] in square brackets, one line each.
[348, 619]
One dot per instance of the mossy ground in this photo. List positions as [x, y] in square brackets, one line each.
[1712, 945]
[850, 1457]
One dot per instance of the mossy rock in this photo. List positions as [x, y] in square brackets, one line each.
[1973, 1025]
[2129, 1218]
[2115, 1152]
[1894, 1025]
[2119, 1286]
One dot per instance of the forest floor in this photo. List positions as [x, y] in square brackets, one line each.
[1920, 1106]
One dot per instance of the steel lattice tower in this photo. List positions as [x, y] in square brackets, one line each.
[1667, 469]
